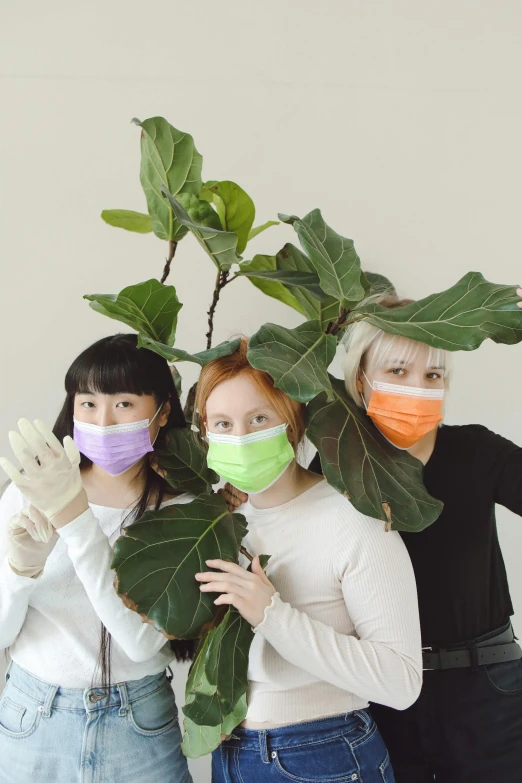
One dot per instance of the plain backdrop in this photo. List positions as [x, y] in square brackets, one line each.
[401, 120]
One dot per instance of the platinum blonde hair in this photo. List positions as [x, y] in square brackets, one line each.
[361, 335]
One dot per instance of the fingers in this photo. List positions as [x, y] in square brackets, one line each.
[258, 571]
[232, 600]
[225, 587]
[233, 496]
[49, 437]
[38, 526]
[519, 292]
[223, 578]
[36, 442]
[22, 452]
[227, 567]
[71, 449]
[13, 473]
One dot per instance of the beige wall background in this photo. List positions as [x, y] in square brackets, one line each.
[401, 120]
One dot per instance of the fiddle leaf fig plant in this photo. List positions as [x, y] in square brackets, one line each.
[323, 280]
[158, 557]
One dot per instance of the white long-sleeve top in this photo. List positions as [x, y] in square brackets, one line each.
[343, 628]
[51, 624]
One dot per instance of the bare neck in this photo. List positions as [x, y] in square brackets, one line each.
[294, 481]
[114, 491]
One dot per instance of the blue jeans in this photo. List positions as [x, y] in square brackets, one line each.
[50, 734]
[340, 749]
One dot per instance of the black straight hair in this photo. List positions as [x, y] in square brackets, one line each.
[115, 365]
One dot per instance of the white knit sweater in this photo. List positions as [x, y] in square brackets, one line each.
[51, 625]
[343, 628]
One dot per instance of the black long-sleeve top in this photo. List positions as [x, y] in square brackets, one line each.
[461, 577]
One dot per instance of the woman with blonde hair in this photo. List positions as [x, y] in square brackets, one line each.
[334, 617]
[467, 723]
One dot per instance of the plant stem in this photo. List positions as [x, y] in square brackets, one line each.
[221, 281]
[335, 326]
[166, 268]
[246, 553]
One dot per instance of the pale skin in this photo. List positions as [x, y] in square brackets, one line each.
[238, 407]
[99, 487]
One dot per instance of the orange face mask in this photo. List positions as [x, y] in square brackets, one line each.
[404, 413]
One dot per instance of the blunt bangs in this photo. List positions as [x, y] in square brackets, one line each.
[390, 349]
[115, 366]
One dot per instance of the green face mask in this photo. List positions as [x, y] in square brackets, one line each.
[253, 462]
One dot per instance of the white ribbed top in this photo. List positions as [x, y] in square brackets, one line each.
[343, 629]
[51, 625]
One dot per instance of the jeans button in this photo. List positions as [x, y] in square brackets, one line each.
[355, 776]
[274, 754]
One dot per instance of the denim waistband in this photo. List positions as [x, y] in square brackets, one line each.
[298, 733]
[88, 699]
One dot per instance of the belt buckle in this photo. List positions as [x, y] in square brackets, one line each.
[427, 650]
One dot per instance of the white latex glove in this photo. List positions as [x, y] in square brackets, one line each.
[53, 481]
[31, 538]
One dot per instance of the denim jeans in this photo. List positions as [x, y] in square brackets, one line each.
[466, 727]
[341, 749]
[50, 734]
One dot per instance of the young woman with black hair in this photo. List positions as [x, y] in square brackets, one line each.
[87, 695]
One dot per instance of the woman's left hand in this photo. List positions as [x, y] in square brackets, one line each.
[519, 292]
[250, 592]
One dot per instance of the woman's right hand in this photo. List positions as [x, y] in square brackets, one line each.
[51, 477]
[31, 538]
[233, 496]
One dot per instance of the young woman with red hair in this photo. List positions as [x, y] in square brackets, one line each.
[335, 616]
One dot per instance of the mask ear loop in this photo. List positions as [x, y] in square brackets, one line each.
[159, 428]
[362, 394]
[400, 448]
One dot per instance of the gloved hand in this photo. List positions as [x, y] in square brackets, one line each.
[51, 474]
[31, 538]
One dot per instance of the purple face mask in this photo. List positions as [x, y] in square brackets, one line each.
[116, 448]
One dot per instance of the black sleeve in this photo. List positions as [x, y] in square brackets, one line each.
[505, 462]
[315, 465]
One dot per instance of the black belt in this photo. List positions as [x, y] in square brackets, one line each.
[500, 648]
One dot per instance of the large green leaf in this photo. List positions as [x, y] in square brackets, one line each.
[307, 280]
[458, 319]
[185, 462]
[158, 557]
[150, 308]
[333, 256]
[168, 158]
[218, 677]
[374, 283]
[234, 206]
[199, 210]
[289, 261]
[217, 683]
[177, 355]
[129, 220]
[200, 740]
[297, 359]
[271, 288]
[379, 480]
[254, 232]
[220, 245]
[323, 308]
